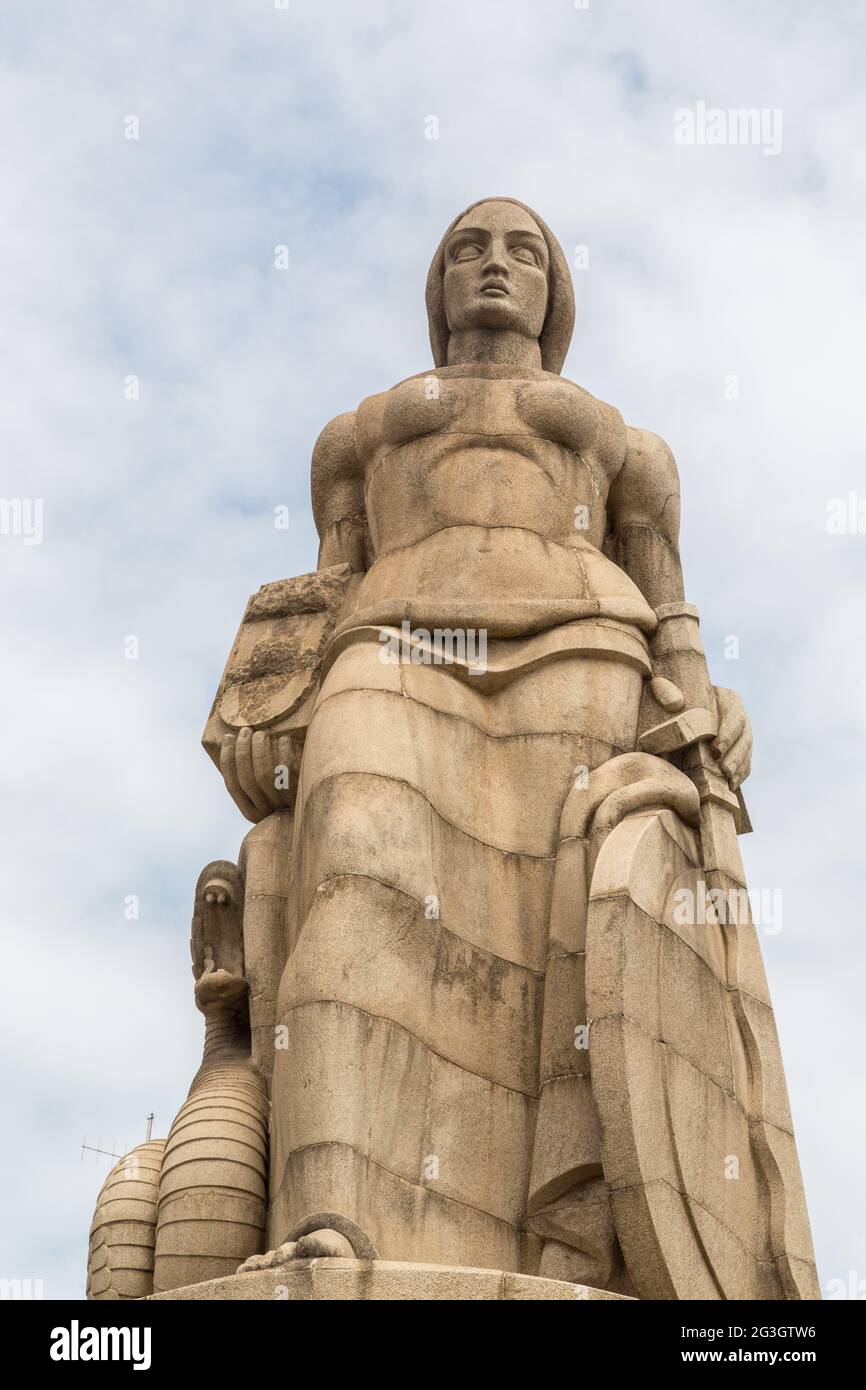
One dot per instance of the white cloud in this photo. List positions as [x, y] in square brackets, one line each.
[155, 257]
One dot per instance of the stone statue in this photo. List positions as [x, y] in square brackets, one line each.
[497, 966]
[190, 1208]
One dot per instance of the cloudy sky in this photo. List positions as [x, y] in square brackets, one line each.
[722, 305]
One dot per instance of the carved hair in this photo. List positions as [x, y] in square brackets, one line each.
[558, 323]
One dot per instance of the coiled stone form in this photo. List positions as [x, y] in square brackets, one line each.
[192, 1207]
[213, 1187]
[120, 1254]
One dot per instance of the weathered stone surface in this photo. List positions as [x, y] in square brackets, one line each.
[122, 1233]
[385, 1280]
[467, 1009]
[688, 1081]
[213, 1179]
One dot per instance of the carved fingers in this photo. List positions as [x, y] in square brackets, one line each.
[270, 1260]
[733, 742]
[259, 770]
[228, 768]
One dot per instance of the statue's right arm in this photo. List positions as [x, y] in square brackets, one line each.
[252, 754]
[337, 486]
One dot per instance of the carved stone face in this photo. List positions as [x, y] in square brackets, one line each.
[496, 265]
[217, 924]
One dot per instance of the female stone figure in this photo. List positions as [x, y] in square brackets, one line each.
[496, 1045]
[487, 945]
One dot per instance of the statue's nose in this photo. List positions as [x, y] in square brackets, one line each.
[495, 261]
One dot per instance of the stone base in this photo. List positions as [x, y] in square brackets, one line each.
[383, 1280]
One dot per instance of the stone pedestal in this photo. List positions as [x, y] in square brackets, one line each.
[385, 1281]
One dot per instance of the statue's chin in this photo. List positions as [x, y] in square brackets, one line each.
[220, 987]
[491, 312]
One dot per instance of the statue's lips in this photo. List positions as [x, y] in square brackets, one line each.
[495, 291]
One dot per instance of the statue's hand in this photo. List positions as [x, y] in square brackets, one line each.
[260, 771]
[733, 742]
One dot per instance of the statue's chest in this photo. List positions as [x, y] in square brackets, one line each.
[478, 410]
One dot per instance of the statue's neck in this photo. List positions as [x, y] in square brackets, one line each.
[226, 1031]
[226, 1046]
[502, 347]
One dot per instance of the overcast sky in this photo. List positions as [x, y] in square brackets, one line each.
[723, 306]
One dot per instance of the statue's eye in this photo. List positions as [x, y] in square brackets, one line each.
[467, 251]
[525, 253]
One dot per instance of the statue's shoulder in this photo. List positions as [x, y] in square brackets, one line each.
[335, 453]
[347, 439]
[337, 431]
[650, 453]
[647, 488]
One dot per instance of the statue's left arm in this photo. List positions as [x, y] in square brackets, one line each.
[644, 523]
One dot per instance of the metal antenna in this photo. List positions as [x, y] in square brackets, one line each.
[110, 1153]
[95, 1149]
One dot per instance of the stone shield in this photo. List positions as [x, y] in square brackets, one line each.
[697, 1141]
